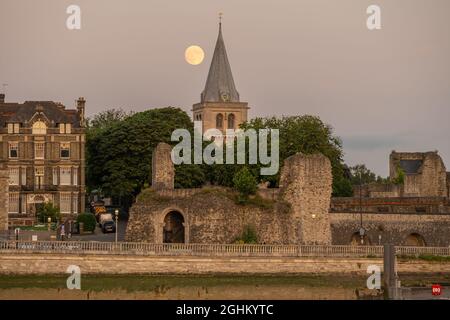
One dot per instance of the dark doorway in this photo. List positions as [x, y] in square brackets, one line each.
[415, 240]
[356, 240]
[173, 231]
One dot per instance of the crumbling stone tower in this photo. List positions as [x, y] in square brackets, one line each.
[306, 183]
[163, 172]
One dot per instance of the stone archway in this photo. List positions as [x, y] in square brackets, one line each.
[173, 229]
[415, 240]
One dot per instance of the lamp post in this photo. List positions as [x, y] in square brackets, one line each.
[116, 212]
[49, 221]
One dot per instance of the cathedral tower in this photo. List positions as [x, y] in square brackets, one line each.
[220, 106]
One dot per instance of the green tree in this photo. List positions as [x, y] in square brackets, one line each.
[119, 152]
[48, 210]
[106, 118]
[245, 183]
[88, 220]
[361, 175]
[400, 178]
[306, 134]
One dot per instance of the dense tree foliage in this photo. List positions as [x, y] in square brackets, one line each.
[359, 174]
[308, 135]
[245, 183]
[120, 145]
[119, 151]
[48, 210]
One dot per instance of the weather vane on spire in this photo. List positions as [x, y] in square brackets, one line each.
[220, 17]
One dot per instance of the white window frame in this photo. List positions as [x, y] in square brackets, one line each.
[65, 175]
[13, 204]
[66, 146]
[39, 172]
[36, 149]
[14, 176]
[13, 145]
[65, 202]
[39, 128]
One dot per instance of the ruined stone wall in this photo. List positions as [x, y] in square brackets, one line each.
[306, 183]
[429, 181]
[393, 228]
[423, 205]
[295, 214]
[4, 199]
[210, 217]
[163, 172]
[434, 176]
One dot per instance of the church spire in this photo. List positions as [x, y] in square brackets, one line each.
[220, 85]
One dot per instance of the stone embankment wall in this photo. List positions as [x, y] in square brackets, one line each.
[101, 264]
[393, 228]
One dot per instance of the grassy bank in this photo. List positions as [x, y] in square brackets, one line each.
[151, 283]
[156, 283]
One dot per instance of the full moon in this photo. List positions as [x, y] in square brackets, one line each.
[194, 55]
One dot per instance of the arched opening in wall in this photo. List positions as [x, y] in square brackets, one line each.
[415, 240]
[231, 121]
[173, 231]
[219, 121]
[356, 240]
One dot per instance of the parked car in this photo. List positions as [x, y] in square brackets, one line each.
[108, 226]
[105, 217]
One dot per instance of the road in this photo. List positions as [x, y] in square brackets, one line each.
[98, 235]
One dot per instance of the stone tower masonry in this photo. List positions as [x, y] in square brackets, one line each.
[306, 183]
[163, 171]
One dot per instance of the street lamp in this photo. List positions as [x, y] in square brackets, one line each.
[49, 221]
[116, 212]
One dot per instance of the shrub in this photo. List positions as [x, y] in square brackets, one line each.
[88, 219]
[48, 210]
[248, 236]
[245, 183]
[400, 178]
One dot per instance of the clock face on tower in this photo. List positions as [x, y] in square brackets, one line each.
[225, 97]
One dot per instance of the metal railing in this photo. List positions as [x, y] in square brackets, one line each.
[228, 250]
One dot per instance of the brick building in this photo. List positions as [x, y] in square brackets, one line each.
[42, 147]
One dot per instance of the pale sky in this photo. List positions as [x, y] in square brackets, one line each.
[380, 90]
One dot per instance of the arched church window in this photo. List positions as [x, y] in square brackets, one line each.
[219, 121]
[39, 127]
[231, 121]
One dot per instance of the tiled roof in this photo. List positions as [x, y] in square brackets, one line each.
[220, 83]
[22, 113]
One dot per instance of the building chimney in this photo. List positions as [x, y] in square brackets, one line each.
[2, 98]
[81, 103]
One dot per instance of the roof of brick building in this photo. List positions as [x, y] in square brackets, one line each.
[24, 112]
